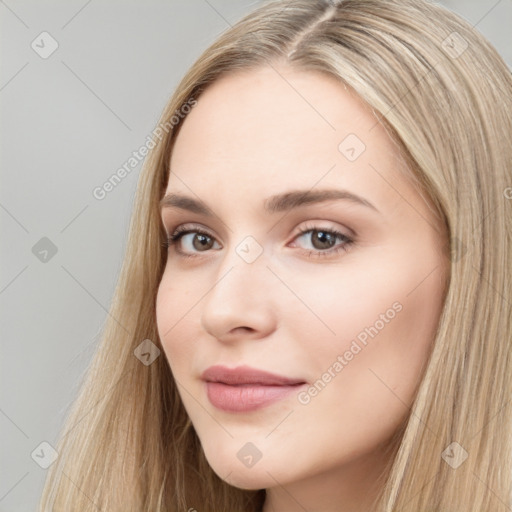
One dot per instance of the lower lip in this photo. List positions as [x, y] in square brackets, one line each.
[248, 397]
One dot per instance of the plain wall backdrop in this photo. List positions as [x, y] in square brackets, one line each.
[82, 85]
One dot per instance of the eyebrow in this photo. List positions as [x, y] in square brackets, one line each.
[274, 204]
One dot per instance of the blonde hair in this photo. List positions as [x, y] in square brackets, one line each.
[445, 97]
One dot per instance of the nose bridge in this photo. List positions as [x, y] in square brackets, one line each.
[242, 269]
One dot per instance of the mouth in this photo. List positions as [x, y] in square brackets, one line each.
[246, 389]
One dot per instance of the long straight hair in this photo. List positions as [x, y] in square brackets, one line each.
[444, 95]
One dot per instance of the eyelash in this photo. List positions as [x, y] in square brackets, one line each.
[173, 240]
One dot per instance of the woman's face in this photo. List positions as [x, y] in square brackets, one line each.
[351, 316]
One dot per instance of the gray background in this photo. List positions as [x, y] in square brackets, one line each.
[68, 123]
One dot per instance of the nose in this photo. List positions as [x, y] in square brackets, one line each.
[241, 301]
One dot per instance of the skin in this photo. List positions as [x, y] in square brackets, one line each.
[254, 134]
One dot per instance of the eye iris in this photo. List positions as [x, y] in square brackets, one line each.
[203, 242]
[322, 236]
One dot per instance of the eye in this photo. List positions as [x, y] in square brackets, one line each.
[199, 240]
[322, 241]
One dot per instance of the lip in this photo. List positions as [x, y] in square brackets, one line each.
[246, 375]
[244, 388]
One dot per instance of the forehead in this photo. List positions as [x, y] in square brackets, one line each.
[264, 130]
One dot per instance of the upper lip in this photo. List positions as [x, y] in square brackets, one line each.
[246, 375]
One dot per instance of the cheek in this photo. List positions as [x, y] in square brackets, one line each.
[365, 376]
[391, 303]
[174, 309]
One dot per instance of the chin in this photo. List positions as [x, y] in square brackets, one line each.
[236, 474]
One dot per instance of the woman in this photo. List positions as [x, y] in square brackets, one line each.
[314, 312]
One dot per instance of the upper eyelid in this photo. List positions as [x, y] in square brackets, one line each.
[309, 226]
